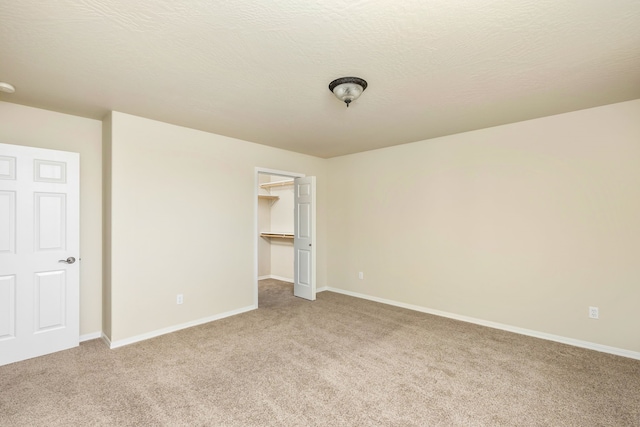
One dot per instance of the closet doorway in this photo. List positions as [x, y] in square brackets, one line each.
[285, 230]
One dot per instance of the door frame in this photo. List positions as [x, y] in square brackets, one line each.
[264, 171]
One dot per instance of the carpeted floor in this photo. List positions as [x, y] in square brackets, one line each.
[338, 361]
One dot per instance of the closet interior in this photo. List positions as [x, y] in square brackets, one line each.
[275, 225]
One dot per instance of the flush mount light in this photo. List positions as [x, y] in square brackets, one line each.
[6, 87]
[348, 89]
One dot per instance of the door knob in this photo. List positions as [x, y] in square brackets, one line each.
[69, 260]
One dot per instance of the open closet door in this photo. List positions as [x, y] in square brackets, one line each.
[304, 239]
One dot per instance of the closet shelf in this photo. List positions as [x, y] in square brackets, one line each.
[268, 197]
[276, 183]
[277, 235]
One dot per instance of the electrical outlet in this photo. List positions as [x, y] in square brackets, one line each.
[179, 299]
[593, 312]
[361, 275]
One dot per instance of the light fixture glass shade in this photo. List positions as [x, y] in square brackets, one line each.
[348, 89]
[6, 87]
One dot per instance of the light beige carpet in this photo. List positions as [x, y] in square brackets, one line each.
[338, 361]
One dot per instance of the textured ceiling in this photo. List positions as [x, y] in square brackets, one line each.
[259, 70]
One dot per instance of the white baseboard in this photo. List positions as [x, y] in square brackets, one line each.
[91, 336]
[106, 340]
[522, 331]
[153, 334]
[272, 276]
[322, 289]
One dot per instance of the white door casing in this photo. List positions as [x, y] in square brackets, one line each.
[39, 227]
[304, 240]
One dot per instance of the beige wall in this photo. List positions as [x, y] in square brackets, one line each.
[34, 127]
[526, 224]
[183, 221]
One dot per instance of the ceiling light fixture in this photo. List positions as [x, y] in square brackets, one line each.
[6, 87]
[348, 89]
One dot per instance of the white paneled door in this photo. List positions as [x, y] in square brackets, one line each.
[304, 245]
[39, 251]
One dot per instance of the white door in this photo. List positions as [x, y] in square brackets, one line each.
[39, 249]
[304, 238]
